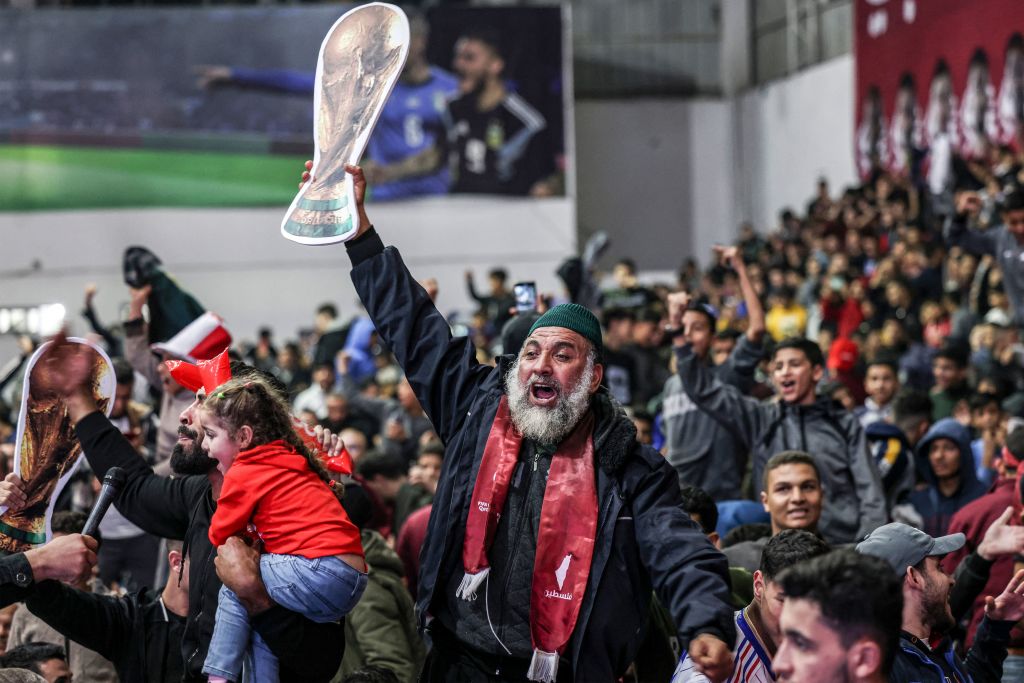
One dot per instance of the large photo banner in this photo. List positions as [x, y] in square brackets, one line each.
[214, 106]
[937, 80]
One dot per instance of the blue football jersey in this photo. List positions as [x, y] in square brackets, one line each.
[414, 119]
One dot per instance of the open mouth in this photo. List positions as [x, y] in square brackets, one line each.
[543, 391]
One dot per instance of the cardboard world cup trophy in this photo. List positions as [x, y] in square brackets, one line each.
[360, 61]
[47, 452]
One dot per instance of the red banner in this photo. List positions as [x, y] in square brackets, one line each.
[939, 75]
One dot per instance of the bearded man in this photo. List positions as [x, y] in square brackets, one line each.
[551, 524]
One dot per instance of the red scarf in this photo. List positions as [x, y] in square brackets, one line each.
[565, 538]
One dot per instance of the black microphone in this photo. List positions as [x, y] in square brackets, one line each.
[112, 484]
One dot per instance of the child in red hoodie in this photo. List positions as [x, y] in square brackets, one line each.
[278, 491]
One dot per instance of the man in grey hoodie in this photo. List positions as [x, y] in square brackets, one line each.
[698, 446]
[800, 420]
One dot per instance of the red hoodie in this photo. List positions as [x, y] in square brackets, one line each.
[293, 510]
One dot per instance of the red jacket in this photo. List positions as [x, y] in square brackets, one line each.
[973, 520]
[293, 510]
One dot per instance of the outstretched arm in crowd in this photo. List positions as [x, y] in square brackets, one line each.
[136, 338]
[158, 505]
[971, 567]
[68, 558]
[968, 205]
[985, 658]
[744, 417]
[443, 371]
[742, 363]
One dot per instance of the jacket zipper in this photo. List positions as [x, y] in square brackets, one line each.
[518, 535]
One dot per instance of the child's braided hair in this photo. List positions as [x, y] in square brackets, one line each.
[251, 401]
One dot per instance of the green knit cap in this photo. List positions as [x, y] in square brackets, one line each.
[573, 317]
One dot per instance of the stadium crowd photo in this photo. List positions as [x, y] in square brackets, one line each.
[480, 409]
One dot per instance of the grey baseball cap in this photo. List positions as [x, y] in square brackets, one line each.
[904, 546]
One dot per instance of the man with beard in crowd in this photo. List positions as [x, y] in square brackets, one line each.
[181, 509]
[916, 558]
[556, 523]
[496, 135]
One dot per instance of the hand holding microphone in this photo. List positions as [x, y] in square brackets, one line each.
[112, 484]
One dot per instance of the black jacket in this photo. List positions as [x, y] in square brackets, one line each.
[181, 509]
[644, 537]
[916, 663]
[136, 632]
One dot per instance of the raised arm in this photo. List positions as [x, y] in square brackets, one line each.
[957, 232]
[136, 338]
[443, 371]
[158, 505]
[744, 417]
[101, 623]
[755, 312]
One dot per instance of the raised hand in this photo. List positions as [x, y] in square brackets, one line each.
[66, 558]
[12, 492]
[1009, 605]
[677, 303]
[1001, 538]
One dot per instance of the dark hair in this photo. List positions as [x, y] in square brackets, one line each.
[1013, 200]
[789, 547]
[788, 458]
[746, 532]
[372, 674]
[858, 595]
[809, 349]
[696, 501]
[70, 522]
[910, 408]
[251, 401]
[357, 505]
[885, 362]
[30, 656]
[499, 274]
[981, 400]
[627, 263]
[327, 309]
[378, 464]
[953, 351]
[123, 372]
[488, 36]
[728, 334]
[615, 314]
[433, 447]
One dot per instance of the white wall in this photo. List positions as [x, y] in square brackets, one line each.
[789, 133]
[654, 174]
[669, 178]
[238, 265]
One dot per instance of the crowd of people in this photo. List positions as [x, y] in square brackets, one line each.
[798, 464]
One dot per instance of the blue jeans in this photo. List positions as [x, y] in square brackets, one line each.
[322, 590]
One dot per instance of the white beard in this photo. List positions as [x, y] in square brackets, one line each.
[547, 425]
